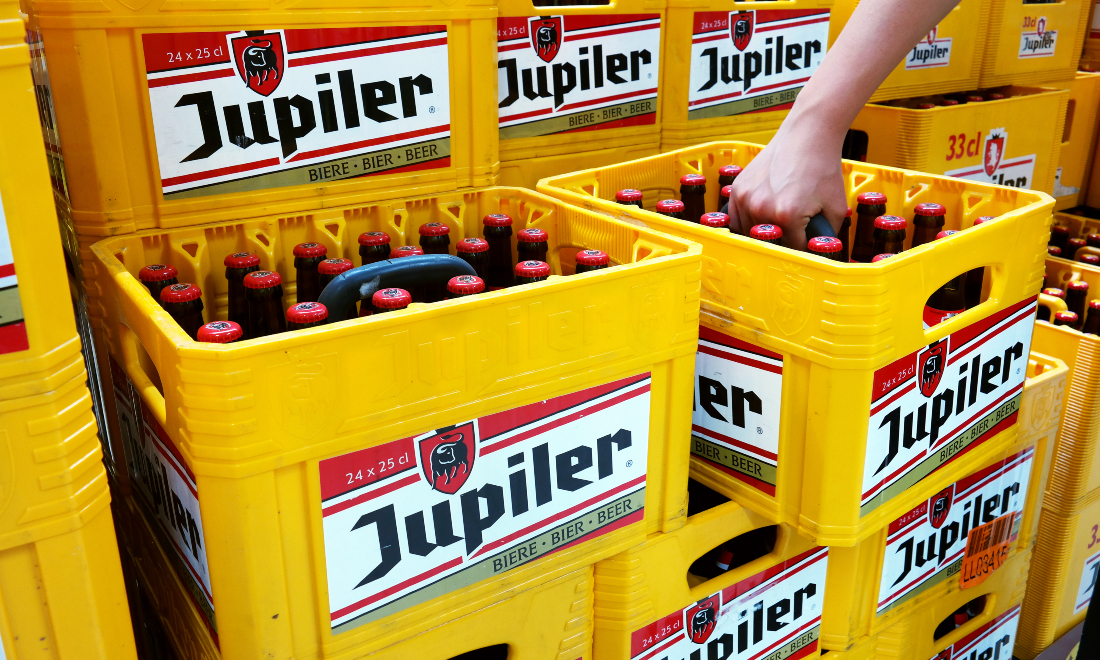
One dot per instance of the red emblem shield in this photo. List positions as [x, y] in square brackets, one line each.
[939, 505]
[944, 654]
[931, 38]
[741, 25]
[260, 59]
[994, 152]
[546, 34]
[447, 457]
[701, 618]
[930, 364]
[1041, 26]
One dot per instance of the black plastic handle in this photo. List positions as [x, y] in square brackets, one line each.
[405, 273]
[819, 226]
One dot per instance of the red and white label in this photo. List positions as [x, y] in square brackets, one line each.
[752, 60]
[927, 544]
[994, 165]
[13, 330]
[932, 52]
[773, 614]
[565, 74]
[258, 109]
[1036, 38]
[993, 641]
[938, 403]
[933, 317]
[735, 416]
[417, 518]
[1087, 583]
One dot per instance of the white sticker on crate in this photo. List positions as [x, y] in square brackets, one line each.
[926, 545]
[938, 403]
[932, 52]
[417, 518]
[1036, 38]
[13, 329]
[745, 61]
[735, 413]
[1088, 581]
[563, 74]
[993, 641]
[995, 167]
[258, 109]
[773, 614]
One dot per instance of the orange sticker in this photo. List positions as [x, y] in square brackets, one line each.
[986, 549]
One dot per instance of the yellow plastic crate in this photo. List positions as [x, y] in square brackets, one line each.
[1090, 56]
[1015, 141]
[718, 87]
[39, 347]
[164, 125]
[918, 558]
[948, 59]
[1078, 139]
[1029, 44]
[527, 172]
[819, 343]
[550, 620]
[577, 79]
[756, 137]
[1067, 555]
[258, 441]
[650, 605]
[1092, 190]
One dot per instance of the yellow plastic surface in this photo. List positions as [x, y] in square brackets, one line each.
[762, 136]
[948, 60]
[645, 597]
[1011, 22]
[855, 576]
[527, 172]
[97, 63]
[1066, 558]
[1078, 139]
[39, 347]
[955, 140]
[597, 112]
[832, 325]
[253, 422]
[759, 107]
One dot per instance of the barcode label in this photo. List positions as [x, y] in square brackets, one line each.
[998, 532]
[986, 549]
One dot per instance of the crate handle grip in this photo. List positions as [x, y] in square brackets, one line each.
[1052, 303]
[406, 273]
[819, 226]
[142, 383]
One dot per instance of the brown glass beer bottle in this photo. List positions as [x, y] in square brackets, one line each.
[629, 197]
[498, 234]
[465, 285]
[475, 251]
[237, 265]
[1092, 321]
[184, 302]
[870, 205]
[949, 300]
[532, 245]
[693, 190]
[220, 332]
[928, 220]
[1044, 313]
[826, 246]
[435, 238]
[264, 292]
[305, 315]
[1065, 318]
[328, 270]
[529, 272]
[590, 260]
[156, 277]
[374, 246]
[889, 234]
[673, 208]
[1077, 293]
[306, 258]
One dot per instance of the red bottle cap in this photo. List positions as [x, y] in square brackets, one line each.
[533, 269]
[670, 206]
[947, 232]
[848, 213]
[729, 170]
[949, 102]
[374, 238]
[262, 279]
[1054, 250]
[994, 96]
[1057, 293]
[714, 219]
[1077, 242]
[871, 198]
[766, 232]
[693, 180]
[497, 220]
[334, 266]
[1090, 259]
[593, 258]
[181, 292]
[310, 250]
[825, 245]
[974, 98]
[220, 332]
[466, 284]
[891, 222]
[1069, 318]
[241, 260]
[879, 257]
[984, 219]
[1092, 238]
[434, 229]
[472, 245]
[1059, 229]
[727, 191]
[926, 106]
[407, 251]
[1078, 285]
[628, 195]
[391, 298]
[157, 273]
[1094, 304]
[930, 209]
[533, 236]
[306, 312]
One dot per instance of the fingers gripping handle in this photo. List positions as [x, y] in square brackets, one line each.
[405, 273]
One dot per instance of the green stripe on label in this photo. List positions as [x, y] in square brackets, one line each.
[734, 460]
[11, 308]
[337, 169]
[944, 454]
[741, 106]
[585, 119]
[587, 524]
[795, 645]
